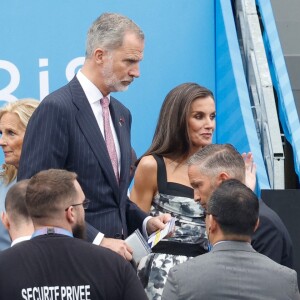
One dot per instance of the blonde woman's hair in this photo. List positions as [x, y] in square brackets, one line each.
[24, 109]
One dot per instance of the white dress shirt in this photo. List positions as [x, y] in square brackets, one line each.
[20, 239]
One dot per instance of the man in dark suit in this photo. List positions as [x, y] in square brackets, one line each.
[74, 130]
[215, 163]
[233, 269]
[56, 265]
[273, 239]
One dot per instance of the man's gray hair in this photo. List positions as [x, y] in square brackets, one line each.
[108, 32]
[216, 158]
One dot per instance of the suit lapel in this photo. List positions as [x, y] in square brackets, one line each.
[90, 129]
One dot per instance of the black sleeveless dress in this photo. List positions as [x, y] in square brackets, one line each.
[189, 238]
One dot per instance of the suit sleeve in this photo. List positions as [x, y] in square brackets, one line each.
[134, 216]
[45, 143]
[171, 289]
[267, 240]
[91, 232]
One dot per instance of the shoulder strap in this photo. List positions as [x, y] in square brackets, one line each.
[161, 174]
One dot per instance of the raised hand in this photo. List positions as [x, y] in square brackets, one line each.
[250, 170]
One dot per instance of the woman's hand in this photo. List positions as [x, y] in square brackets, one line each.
[250, 170]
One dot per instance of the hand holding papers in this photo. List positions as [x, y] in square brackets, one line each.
[141, 247]
[155, 237]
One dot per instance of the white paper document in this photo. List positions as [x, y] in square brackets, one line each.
[158, 235]
[139, 245]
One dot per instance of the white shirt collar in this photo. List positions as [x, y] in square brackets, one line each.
[20, 239]
[92, 93]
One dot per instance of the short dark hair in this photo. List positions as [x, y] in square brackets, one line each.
[235, 208]
[216, 158]
[15, 204]
[49, 191]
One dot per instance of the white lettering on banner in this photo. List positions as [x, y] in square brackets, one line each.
[72, 66]
[6, 93]
[80, 292]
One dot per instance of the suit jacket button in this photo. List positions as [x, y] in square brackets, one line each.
[118, 236]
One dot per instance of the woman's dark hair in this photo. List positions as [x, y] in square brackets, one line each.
[171, 137]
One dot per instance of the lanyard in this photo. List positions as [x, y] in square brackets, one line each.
[51, 230]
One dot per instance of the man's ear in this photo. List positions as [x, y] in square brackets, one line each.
[256, 225]
[71, 215]
[5, 220]
[99, 54]
[222, 177]
[213, 223]
[210, 223]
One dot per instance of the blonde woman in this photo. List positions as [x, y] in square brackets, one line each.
[14, 118]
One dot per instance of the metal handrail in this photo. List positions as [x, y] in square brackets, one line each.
[261, 90]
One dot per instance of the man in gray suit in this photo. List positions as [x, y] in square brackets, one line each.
[233, 269]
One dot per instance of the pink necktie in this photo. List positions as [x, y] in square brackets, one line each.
[109, 137]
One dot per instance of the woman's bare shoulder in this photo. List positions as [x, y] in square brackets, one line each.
[148, 163]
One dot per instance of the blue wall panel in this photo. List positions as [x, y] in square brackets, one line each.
[288, 115]
[179, 48]
[235, 124]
